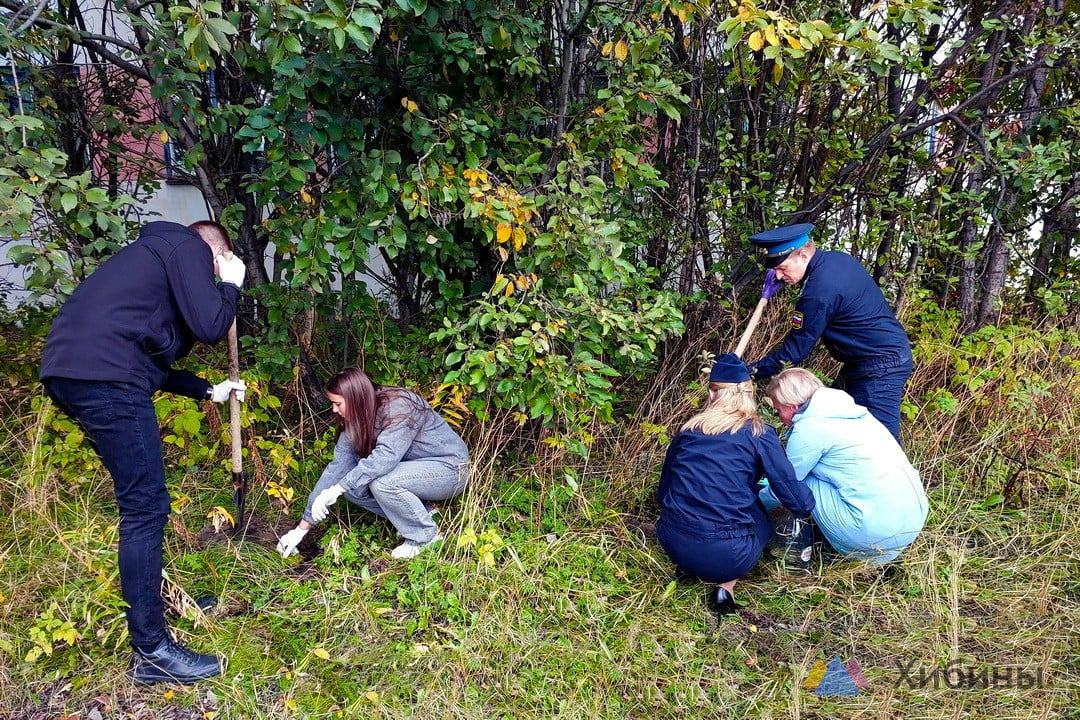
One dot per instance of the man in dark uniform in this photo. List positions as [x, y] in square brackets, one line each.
[109, 349]
[842, 306]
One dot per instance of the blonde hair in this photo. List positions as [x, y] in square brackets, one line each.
[793, 386]
[733, 407]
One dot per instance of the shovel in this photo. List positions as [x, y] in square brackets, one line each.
[766, 293]
[238, 477]
[754, 319]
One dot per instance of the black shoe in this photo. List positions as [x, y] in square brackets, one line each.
[173, 663]
[723, 603]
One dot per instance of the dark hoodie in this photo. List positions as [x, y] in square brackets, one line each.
[142, 310]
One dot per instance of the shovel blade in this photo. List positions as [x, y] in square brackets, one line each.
[240, 498]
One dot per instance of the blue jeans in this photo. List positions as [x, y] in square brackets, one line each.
[119, 420]
[399, 495]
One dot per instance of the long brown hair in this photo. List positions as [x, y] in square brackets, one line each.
[363, 400]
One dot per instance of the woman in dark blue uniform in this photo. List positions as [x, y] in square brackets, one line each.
[842, 306]
[712, 524]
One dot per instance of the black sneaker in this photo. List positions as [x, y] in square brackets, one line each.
[173, 663]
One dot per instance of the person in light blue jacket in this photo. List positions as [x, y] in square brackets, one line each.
[870, 502]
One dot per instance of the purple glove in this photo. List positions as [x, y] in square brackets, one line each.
[771, 284]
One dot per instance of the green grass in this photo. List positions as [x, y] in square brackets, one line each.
[579, 614]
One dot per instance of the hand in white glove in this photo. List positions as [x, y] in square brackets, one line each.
[288, 542]
[231, 269]
[220, 392]
[321, 507]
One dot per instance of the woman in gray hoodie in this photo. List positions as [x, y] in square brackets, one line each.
[395, 454]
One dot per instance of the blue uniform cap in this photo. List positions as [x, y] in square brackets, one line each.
[777, 244]
[729, 368]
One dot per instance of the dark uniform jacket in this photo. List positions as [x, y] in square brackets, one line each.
[709, 484]
[142, 310]
[842, 306]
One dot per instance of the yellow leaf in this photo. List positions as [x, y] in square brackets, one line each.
[218, 516]
[606, 50]
[393, 35]
[621, 50]
[778, 72]
[169, 694]
[305, 196]
[519, 238]
[163, 137]
[372, 696]
[503, 255]
[66, 633]
[509, 289]
[321, 653]
[599, 110]
[771, 37]
[794, 42]
[756, 41]
[408, 104]
[502, 232]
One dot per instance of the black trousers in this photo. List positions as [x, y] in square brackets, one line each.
[119, 419]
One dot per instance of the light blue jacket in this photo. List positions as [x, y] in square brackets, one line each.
[870, 500]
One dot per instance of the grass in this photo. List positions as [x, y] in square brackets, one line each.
[578, 614]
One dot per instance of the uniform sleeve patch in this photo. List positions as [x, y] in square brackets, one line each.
[796, 320]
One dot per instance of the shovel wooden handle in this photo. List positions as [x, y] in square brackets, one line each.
[234, 403]
[754, 319]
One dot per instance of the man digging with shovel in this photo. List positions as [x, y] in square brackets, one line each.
[841, 305]
[110, 348]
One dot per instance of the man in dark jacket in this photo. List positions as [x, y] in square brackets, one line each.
[109, 349]
[842, 306]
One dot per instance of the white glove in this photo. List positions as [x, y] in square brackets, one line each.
[288, 542]
[321, 507]
[231, 269]
[220, 392]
